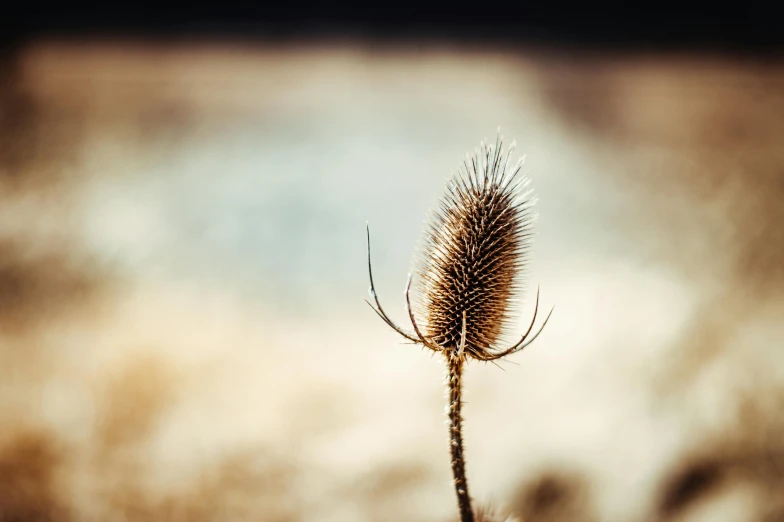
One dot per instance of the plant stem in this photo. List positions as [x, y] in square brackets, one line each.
[454, 381]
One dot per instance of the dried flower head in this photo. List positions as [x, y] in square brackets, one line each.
[469, 271]
[470, 265]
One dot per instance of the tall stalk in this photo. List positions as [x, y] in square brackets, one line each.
[455, 383]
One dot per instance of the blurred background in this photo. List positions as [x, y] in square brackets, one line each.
[183, 198]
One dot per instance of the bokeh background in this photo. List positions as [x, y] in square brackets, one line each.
[183, 335]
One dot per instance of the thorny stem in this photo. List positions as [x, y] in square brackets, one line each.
[454, 381]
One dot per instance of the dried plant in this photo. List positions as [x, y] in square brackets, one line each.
[468, 272]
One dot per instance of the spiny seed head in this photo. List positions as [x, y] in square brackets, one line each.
[473, 253]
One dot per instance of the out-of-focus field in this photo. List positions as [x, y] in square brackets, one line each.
[182, 271]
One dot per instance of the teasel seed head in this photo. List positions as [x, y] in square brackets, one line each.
[473, 254]
[471, 261]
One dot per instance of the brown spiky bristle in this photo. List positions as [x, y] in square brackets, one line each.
[474, 251]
